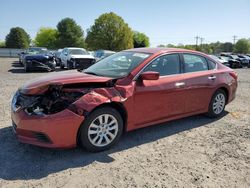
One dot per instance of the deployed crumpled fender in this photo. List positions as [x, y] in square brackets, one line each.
[99, 96]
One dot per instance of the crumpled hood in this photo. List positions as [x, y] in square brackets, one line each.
[40, 85]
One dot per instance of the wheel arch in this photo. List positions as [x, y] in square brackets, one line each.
[226, 92]
[117, 106]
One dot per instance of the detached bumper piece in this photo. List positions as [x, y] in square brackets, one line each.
[41, 65]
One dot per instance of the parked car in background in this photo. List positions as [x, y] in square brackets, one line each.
[243, 61]
[91, 53]
[39, 59]
[31, 51]
[100, 54]
[245, 57]
[72, 58]
[57, 56]
[219, 59]
[232, 63]
[129, 90]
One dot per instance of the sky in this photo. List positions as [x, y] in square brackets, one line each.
[163, 21]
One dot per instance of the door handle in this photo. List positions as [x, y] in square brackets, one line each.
[212, 77]
[180, 84]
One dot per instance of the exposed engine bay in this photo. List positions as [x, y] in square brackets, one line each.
[55, 99]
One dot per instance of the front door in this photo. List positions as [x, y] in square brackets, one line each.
[155, 100]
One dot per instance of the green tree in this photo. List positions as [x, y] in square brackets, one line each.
[2, 44]
[69, 34]
[242, 46]
[140, 40]
[161, 46]
[46, 37]
[110, 32]
[227, 47]
[17, 38]
[171, 46]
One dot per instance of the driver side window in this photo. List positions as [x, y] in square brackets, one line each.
[165, 65]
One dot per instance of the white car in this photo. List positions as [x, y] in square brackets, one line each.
[72, 58]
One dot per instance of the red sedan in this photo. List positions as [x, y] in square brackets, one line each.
[131, 89]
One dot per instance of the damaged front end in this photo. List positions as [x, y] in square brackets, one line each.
[55, 99]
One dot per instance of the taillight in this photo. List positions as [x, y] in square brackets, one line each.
[234, 75]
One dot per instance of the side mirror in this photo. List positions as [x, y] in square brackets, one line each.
[150, 75]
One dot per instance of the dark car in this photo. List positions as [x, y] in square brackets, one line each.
[31, 51]
[232, 63]
[233, 60]
[38, 59]
[126, 91]
[246, 58]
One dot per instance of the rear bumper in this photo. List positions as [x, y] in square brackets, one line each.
[52, 131]
[232, 91]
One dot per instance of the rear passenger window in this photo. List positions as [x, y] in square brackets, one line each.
[211, 64]
[194, 63]
[165, 65]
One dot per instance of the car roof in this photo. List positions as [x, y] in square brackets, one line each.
[72, 48]
[162, 50]
[105, 51]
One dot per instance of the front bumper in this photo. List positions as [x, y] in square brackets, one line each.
[52, 131]
[39, 65]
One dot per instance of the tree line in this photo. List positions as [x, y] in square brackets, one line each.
[242, 46]
[109, 32]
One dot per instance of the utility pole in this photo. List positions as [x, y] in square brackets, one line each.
[201, 41]
[234, 39]
[196, 41]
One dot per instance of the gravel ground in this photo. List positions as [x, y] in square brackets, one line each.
[191, 152]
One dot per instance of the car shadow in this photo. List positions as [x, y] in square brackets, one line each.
[18, 68]
[23, 161]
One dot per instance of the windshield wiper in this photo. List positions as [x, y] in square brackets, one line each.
[92, 73]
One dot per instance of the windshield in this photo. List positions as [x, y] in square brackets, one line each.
[117, 65]
[78, 52]
[37, 50]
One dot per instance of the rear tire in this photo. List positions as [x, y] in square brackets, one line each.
[101, 129]
[217, 104]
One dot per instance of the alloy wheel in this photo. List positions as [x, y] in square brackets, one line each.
[103, 130]
[219, 103]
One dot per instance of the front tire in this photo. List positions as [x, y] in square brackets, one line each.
[61, 65]
[26, 68]
[69, 65]
[217, 104]
[101, 129]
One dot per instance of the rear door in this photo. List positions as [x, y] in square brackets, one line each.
[200, 81]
